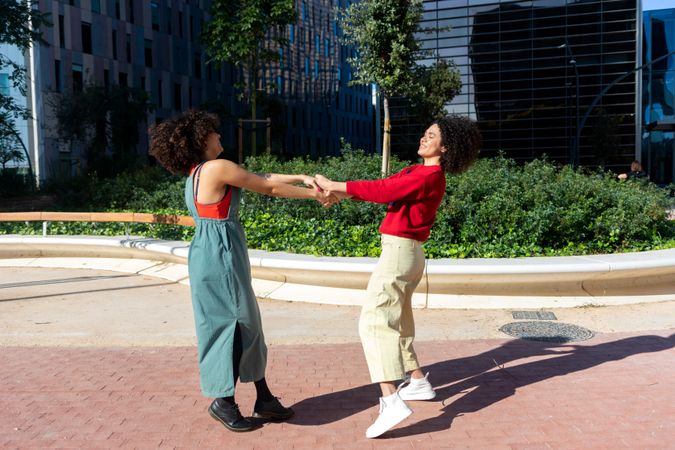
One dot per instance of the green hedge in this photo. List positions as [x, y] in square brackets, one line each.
[497, 209]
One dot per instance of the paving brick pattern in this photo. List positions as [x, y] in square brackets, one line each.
[614, 391]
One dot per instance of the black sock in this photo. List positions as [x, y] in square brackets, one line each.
[236, 359]
[262, 391]
[225, 401]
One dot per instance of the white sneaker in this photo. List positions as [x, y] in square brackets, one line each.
[417, 389]
[393, 411]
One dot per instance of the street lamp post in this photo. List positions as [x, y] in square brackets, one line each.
[574, 151]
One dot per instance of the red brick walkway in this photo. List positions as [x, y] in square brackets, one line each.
[614, 391]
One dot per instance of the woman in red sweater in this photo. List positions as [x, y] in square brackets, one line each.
[386, 327]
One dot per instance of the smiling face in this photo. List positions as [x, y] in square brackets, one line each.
[213, 147]
[431, 147]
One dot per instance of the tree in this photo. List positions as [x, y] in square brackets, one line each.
[19, 26]
[240, 32]
[9, 151]
[103, 118]
[383, 32]
[438, 84]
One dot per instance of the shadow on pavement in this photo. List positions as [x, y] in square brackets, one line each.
[477, 374]
[87, 291]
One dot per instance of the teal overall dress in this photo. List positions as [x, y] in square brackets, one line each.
[222, 296]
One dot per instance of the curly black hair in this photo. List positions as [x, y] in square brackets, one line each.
[462, 140]
[179, 142]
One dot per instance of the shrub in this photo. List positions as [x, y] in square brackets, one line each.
[496, 209]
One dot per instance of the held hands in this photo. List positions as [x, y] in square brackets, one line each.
[310, 182]
[326, 198]
[323, 182]
[330, 186]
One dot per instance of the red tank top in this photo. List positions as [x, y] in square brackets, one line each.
[218, 210]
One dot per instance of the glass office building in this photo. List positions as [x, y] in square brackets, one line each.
[154, 45]
[658, 94]
[522, 64]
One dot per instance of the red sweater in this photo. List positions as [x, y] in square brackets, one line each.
[414, 195]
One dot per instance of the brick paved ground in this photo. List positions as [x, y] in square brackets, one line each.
[614, 391]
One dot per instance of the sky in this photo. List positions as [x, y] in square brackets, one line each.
[648, 5]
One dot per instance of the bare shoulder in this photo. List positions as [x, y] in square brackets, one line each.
[219, 165]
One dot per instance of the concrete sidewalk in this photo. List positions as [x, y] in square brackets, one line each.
[94, 359]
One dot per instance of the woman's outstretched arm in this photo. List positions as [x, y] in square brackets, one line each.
[290, 179]
[219, 173]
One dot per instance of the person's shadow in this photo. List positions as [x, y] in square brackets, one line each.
[476, 372]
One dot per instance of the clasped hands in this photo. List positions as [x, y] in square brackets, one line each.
[323, 185]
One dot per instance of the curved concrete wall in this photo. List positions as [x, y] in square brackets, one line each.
[471, 283]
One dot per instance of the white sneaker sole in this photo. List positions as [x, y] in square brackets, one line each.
[418, 396]
[373, 434]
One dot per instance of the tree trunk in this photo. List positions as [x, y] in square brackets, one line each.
[386, 149]
[254, 125]
[254, 101]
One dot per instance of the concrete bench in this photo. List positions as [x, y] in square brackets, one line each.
[536, 282]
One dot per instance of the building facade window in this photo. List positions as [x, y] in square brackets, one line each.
[128, 47]
[96, 6]
[77, 77]
[169, 20]
[154, 11]
[57, 76]
[180, 24]
[130, 11]
[62, 32]
[148, 53]
[114, 44]
[86, 37]
[198, 66]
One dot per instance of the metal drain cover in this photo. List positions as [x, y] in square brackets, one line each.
[533, 315]
[547, 331]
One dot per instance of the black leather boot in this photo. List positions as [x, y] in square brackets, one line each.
[272, 410]
[229, 415]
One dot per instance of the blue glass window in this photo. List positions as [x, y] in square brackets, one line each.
[4, 84]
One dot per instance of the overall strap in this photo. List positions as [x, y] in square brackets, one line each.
[197, 172]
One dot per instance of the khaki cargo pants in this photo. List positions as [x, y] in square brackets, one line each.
[386, 326]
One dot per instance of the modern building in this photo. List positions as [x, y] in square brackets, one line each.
[522, 64]
[531, 69]
[658, 91]
[7, 88]
[312, 81]
[154, 46]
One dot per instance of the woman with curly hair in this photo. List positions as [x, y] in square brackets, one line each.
[230, 339]
[386, 327]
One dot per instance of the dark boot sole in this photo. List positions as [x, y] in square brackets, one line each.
[272, 416]
[236, 430]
